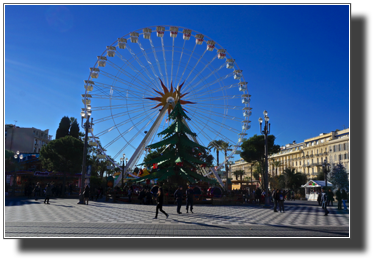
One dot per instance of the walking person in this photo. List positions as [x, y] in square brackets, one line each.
[344, 197]
[324, 199]
[178, 196]
[281, 198]
[189, 199]
[275, 195]
[86, 194]
[293, 195]
[36, 191]
[339, 199]
[48, 193]
[159, 205]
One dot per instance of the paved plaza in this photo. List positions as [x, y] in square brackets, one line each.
[64, 218]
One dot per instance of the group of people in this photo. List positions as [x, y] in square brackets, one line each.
[279, 196]
[178, 195]
[46, 191]
[57, 190]
[341, 197]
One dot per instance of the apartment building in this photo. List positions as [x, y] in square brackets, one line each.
[308, 156]
[25, 140]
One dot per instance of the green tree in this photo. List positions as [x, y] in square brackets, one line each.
[9, 160]
[253, 149]
[225, 146]
[320, 176]
[64, 127]
[291, 179]
[276, 165]
[63, 155]
[74, 129]
[181, 160]
[339, 177]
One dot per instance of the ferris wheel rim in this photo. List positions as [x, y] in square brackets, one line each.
[235, 147]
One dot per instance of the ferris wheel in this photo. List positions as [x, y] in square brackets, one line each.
[137, 80]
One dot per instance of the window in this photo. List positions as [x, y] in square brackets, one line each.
[339, 147]
[317, 151]
[345, 156]
[339, 157]
[317, 160]
[335, 157]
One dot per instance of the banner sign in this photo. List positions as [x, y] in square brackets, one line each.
[39, 173]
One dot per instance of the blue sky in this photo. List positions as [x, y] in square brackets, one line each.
[294, 58]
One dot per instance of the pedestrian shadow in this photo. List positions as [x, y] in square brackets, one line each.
[200, 224]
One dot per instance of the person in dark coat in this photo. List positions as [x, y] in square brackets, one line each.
[36, 191]
[275, 199]
[86, 194]
[159, 205]
[281, 198]
[178, 197]
[189, 199]
[48, 193]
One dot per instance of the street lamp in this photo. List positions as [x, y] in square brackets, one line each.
[326, 170]
[17, 156]
[265, 131]
[123, 159]
[85, 113]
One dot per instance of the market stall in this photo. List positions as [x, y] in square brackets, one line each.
[312, 188]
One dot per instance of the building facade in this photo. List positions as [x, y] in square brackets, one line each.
[25, 140]
[307, 157]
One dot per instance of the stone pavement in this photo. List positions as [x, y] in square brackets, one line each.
[63, 217]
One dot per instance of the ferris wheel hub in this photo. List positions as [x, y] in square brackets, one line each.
[170, 100]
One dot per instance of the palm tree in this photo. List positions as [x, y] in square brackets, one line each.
[225, 146]
[215, 144]
[292, 179]
[239, 173]
[276, 164]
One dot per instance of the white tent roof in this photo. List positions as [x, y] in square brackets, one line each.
[317, 184]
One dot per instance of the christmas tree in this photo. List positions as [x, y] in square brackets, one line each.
[181, 158]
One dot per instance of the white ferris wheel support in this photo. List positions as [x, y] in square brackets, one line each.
[138, 152]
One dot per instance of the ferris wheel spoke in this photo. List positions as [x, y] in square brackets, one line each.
[225, 138]
[198, 130]
[192, 89]
[121, 80]
[222, 125]
[141, 65]
[172, 58]
[204, 68]
[156, 58]
[104, 88]
[196, 64]
[222, 115]
[220, 79]
[180, 60]
[135, 136]
[109, 117]
[165, 61]
[109, 129]
[121, 134]
[142, 85]
[220, 106]
[148, 60]
[121, 150]
[214, 90]
[187, 64]
[227, 97]
[216, 133]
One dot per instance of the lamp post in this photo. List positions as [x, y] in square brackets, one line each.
[85, 114]
[17, 157]
[265, 131]
[123, 159]
[326, 169]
